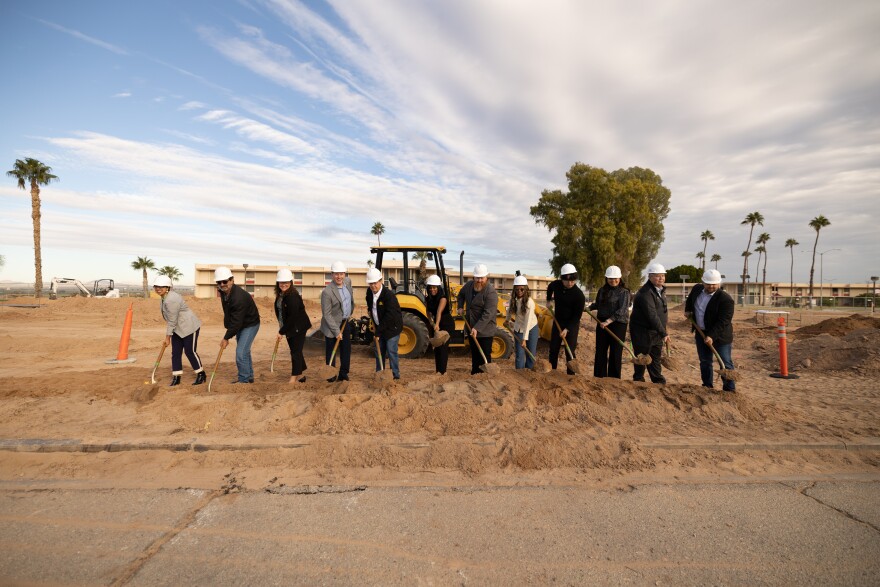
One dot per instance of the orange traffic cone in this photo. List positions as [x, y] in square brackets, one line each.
[122, 354]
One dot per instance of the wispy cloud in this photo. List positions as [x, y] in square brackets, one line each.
[121, 95]
[84, 37]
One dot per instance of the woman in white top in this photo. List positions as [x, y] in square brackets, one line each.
[521, 311]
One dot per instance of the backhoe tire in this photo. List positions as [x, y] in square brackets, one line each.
[502, 345]
[414, 338]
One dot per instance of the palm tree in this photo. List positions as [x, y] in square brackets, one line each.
[378, 229]
[751, 219]
[172, 272]
[817, 224]
[715, 258]
[705, 236]
[30, 171]
[370, 263]
[702, 256]
[144, 263]
[422, 258]
[762, 240]
[791, 244]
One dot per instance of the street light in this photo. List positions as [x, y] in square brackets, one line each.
[874, 278]
[822, 283]
[745, 277]
[684, 280]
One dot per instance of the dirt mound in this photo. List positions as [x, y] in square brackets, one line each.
[839, 326]
[858, 350]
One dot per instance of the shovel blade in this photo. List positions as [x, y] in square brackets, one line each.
[490, 368]
[383, 376]
[542, 366]
[439, 339]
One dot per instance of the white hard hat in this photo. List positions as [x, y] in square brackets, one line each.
[613, 272]
[480, 270]
[338, 267]
[222, 274]
[568, 269]
[434, 280]
[284, 275]
[373, 275]
[656, 268]
[162, 281]
[520, 280]
[712, 277]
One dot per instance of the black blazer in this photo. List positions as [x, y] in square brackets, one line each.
[649, 315]
[719, 314]
[390, 315]
[239, 311]
[294, 318]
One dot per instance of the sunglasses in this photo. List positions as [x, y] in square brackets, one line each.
[224, 282]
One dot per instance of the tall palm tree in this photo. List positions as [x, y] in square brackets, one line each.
[715, 258]
[32, 172]
[172, 272]
[791, 244]
[751, 219]
[706, 236]
[422, 258]
[144, 263]
[762, 251]
[702, 257]
[762, 240]
[817, 224]
[378, 229]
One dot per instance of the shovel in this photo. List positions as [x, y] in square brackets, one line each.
[729, 374]
[636, 359]
[327, 371]
[382, 374]
[440, 336]
[274, 353]
[486, 367]
[214, 372]
[156, 366]
[571, 362]
[542, 365]
[667, 360]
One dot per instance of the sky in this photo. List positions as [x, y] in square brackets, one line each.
[278, 132]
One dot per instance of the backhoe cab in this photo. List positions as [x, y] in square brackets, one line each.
[411, 293]
[101, 288]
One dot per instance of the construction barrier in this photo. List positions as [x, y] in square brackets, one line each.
[783, 351]
[122, 353]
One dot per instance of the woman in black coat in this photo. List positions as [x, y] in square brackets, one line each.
[293, 322]
[437, 304]
[612, 310]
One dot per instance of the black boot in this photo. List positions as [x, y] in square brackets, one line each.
[200, 378]
[175, 380]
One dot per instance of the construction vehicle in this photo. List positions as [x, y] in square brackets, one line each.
[101, 288]
[411, 296]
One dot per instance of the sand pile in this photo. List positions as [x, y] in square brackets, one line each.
[839, 326]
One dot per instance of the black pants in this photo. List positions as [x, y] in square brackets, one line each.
[441, 357]
[485, 343]
[651, 345]
[609, 353]
[188, 345]
[556, 345]
[343, 353]
[297, 360]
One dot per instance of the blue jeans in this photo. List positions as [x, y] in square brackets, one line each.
[522, 359]
[707, 362]
[388, 349]
[243, 341]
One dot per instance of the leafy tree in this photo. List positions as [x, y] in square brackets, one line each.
[32, 172]
[751, 219]
[172, 272]
[144, 263]
[694, 274]
[605, 218]
[762, 240]
[705, 236]
[817, 224]
[2, 260]
[715, 258]
[422, 258]
[378, 230]
[791, 244]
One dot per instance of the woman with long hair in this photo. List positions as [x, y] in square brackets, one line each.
[437, 304]
[293, 322]
[521, 312]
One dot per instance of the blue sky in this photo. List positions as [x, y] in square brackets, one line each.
[278, 132]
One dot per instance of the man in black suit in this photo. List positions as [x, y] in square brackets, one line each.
[647, 325]
[712, 309]
[387, 319]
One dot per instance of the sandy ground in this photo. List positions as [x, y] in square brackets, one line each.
[516, 428]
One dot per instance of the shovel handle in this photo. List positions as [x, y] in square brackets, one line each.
[708, 344]
[214, 371]
[158, 359]
[614, 336]
[379, 352]
[479, 348]
[274, 353]
[565, 342]
[336, 346]
[519, 340]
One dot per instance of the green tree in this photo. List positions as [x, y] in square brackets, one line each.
[751, 219]
[422, 258]
[715, 258]
[378, 230]
[172, 272]
[144, 263]
[791, 244]
[2, 260]
[605, 218]
[674, 274]
[705, 236]
[762, 240]
[32, 172]
[817, 224]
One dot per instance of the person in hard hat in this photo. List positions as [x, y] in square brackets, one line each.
[612, 310]
[293, 322]
[241, 320]
[647, 325]
[712, 308]
[337, 304]
[437, 305]
[479, 299]
[521, 312]
[182, 328]
[567, 302]
[384, 311]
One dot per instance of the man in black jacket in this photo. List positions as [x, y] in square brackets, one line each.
[712, 309]
[568, 302]
[387, 319]
[647, 325]
[241, 320]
